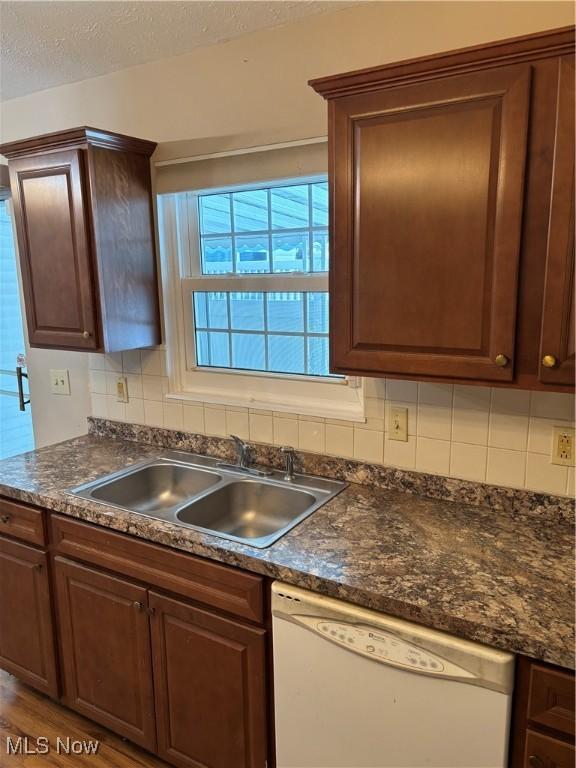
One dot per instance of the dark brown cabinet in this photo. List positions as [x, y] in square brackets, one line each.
[209, 681]
[558, 315]
[185, 679]
[26, 632]
[543, 719]
[83, 212]
[105, 649]
[451, 183]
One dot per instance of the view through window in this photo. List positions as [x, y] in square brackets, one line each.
[275, 238]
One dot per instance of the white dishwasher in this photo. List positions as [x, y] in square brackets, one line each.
[357, 689]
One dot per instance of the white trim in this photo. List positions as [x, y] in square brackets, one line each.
[307, 395]
[243, 151]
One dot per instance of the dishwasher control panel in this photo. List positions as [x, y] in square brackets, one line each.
[384, 646]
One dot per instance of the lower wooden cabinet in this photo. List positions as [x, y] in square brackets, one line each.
[177, 678]
[26, 632]
[543, 722]
[105, 647]
[541, 751]
[209, 680]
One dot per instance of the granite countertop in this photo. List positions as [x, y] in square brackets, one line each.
[502, 578]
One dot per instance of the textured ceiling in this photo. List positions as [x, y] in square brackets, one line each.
[44, 44]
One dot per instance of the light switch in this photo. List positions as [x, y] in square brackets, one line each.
[121, 389]
[398, 423]
[59, 381]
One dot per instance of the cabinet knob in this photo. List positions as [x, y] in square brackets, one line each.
[4, 519]
[549, 361]
[501, 360]
[86, 334]
[535, 762]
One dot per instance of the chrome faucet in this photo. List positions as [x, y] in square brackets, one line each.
[244, 460]
[243, 452]
[289, 456]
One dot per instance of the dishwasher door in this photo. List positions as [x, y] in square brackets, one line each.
[357, 689]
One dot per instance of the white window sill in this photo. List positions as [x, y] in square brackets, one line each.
[348, 406]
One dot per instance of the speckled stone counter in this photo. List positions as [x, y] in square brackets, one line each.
[500, 577]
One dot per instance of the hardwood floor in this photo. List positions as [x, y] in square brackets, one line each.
[25, 713]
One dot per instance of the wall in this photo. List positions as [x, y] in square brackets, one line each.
[485, 434]
[251, 91]
[254, 89]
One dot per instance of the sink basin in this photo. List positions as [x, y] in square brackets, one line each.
[200, 492]
[247, 509]
[155, 487]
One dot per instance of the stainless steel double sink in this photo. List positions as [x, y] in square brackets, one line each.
[196, 492]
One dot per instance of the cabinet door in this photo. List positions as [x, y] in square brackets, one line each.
[558, 315]
[209, 682]
[426, 218]
[543, 751]
[53, 243]
[26, 631]
[105, 645]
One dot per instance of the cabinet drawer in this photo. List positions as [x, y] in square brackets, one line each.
[551, 699]
[219, 586]
[22, 522]
[546, 752]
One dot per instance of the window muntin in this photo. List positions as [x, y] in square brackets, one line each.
[263, 243]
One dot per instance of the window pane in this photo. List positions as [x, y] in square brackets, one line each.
[290, 207]
[320, 251]
[286, 354]
[290, 252]
[318, 356]
[250, 210]
[320, 205]
[202, 348]
[247, 311]
[216, 255]
[252, 254]
[317, 312]
[217, 310]
[215, 214]
[285, 312]
[248, 351]
[219, 349]
[200, 312]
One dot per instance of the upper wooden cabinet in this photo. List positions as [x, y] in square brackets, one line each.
[558, 316]
[451, 196]
[83, 211]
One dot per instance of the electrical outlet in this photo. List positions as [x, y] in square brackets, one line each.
[563, 446]
[398, 424]
[121, 389]
[60, 382]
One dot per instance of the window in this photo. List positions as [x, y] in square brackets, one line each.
[281, 232]
[248, 268]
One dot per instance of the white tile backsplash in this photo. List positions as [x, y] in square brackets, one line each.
[468, 462]
[508, 430]
[485, 434]
[285, 432]
[506, 467]
[433, 456]
[368, 445]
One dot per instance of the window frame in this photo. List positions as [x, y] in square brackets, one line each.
[179, 239]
